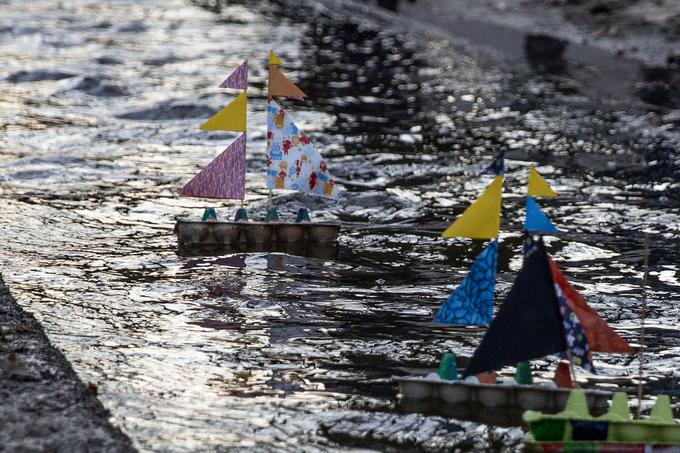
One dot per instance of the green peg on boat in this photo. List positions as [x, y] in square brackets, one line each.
[661, 412]
[523, 374]
[302, 216]
[447, 367]
[272, 215]
[241, 215]
[209, 214]
[619, 410]
[577, 405]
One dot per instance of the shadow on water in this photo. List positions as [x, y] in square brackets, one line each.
[599, 73]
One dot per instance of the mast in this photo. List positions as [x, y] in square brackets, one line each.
[585, 330]
[542, 314]
[643, 316]
[471, 303]
[224, 177]
[292, 161]
[528, 324]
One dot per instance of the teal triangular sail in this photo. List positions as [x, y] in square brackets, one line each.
[472, 301]
[528, 324]
[536, 221]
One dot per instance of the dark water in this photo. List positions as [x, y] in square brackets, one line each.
[101, 107]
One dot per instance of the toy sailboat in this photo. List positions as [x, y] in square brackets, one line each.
[575, 430]
[541, 315]
[292, 163]
[472, 302]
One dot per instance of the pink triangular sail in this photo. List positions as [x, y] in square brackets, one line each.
[224, 177]
[238, 79]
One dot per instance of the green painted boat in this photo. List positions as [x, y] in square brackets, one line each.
[575, 430]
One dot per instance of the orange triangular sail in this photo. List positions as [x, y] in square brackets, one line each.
[279, 85]
[601, 337]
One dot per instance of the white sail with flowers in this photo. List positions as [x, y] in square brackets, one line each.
[292, 161]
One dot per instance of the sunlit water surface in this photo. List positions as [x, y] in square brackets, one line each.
[100, 112]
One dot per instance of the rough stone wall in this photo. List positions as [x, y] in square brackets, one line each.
[44, 406]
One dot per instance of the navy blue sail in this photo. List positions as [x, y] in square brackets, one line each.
[497, 167]
[528, 325]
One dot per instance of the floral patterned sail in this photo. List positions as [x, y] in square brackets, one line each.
[577, 342]
[292, 162]
[224, 177]
[601, 337]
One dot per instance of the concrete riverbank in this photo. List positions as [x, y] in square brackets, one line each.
[45, 406]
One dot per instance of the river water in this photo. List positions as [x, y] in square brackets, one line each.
[100, 112]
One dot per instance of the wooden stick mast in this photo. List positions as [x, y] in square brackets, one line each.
[571, 368]
[643, 315]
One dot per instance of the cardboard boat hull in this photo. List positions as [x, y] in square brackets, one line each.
[501, 404]
[596, 447]
[198, 234]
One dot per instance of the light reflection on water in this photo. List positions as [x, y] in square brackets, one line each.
[269, 349]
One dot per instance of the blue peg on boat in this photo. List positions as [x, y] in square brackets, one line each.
[523, 373]
[272, 215]
[209, 214]
[241, 215]
[302, 215]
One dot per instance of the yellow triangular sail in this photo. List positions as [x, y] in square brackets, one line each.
[538, 187]
[273, 59]
[230, 118]
[482, 219]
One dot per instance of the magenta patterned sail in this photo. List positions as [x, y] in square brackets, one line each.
[224, 177]
[238, 79]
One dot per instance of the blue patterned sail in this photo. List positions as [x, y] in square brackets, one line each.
[472, 301]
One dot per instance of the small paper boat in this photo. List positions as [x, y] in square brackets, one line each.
[541, 315]
[575, 430]
[498, 404]
[292, 164]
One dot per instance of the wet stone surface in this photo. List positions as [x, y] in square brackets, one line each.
[45, 407]
[275, 351]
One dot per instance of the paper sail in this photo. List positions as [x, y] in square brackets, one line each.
[536, 220]
[497, 167]
[601, 337]
[238, 79]
[273, 59]
[471, 303]
[292, 161]
[577, 342]
[230, 118]
[224, 177]
[538, 187]
[279, 85]
[528, 324]
[482, 219]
